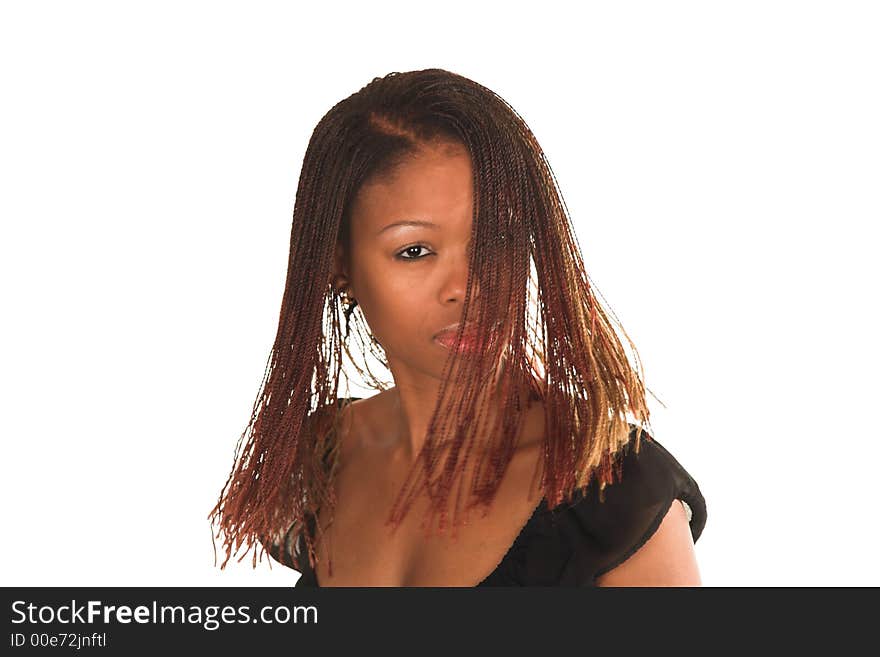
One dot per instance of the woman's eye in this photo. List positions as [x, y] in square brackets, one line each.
[410, 251]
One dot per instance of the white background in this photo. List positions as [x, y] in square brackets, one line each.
[719, 160]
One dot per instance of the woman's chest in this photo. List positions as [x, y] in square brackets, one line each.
[365, 552]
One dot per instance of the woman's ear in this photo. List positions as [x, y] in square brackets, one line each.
[340, 278]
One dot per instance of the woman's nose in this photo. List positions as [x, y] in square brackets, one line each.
[455, 284]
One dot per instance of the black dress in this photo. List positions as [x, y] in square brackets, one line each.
[577, 542]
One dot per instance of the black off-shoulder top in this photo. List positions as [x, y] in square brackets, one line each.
[576, 542]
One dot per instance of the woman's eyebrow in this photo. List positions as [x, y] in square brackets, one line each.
[409, 222]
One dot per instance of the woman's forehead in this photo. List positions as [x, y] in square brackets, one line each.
[432, 191]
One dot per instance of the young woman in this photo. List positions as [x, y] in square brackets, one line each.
[429, 237]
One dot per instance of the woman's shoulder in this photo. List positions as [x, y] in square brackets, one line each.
[286, 546]
[649, 475]
[613, 523]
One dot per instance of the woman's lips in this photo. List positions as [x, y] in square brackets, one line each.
[469, 341]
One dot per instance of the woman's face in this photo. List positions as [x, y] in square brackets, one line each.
[410, 239]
